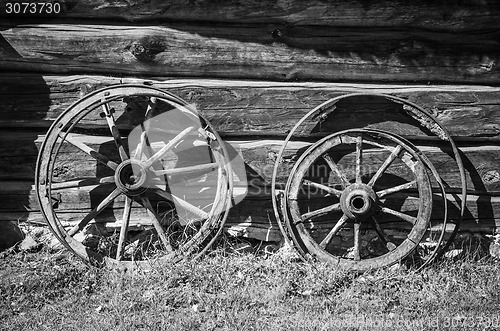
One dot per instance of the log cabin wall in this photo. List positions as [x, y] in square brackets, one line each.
[253, 69]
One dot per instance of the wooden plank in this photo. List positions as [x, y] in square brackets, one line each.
[445, 15]
[19, 151]
[267, 108]
[264, 52]
[255, 218]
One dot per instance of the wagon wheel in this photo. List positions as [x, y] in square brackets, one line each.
[155, 173]
[441, 230]
[356, 224]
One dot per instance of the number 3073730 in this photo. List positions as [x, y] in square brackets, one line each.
[32, 8]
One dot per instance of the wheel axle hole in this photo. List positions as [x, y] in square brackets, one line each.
[358, 202]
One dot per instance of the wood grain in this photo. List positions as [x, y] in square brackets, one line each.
[18, 154]
[253, 52]
[443, 15]
[254, 216]
[264, 108]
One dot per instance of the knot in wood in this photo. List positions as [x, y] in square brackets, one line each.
[278, 34]
[146, 48]
[140, 52]
[491, 176]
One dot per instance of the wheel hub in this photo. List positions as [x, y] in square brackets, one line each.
[358, 201]
[131, 177]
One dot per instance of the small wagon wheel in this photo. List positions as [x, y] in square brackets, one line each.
[354, 202]
[156, 173]
[442, 231]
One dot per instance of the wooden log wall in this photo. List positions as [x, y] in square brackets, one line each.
[253, 69]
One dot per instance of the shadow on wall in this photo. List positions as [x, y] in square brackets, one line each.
[17, 143]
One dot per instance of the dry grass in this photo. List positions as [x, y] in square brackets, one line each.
[43, 290]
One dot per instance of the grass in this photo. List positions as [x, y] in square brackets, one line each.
[230, 291]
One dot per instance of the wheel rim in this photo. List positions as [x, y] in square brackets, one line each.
[167, 186]
[355, 202]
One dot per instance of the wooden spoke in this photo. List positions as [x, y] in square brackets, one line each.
[407, 218]
[325, 188]
[357, 241]
[395, 189]
[333, 231]
[144, 140]
[334, 167]
[90, 151]
[156, 223]
[359, 156]
[140, 146]
[183, 203]
[186, 170]
[82, 182]
[321, 212]
[110, 119]
[385, 165]
[381, 234]
[124, 228]
[168, 146]
[151, 107]
[90, 216]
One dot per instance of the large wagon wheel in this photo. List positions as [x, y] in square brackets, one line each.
[156, 174]
[355, 202]
[440, 231]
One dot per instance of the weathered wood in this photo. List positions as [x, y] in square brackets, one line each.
[18, 154]
[267, 108]
[356, 41]
[442, 15]
[255, 217]
[228, 51]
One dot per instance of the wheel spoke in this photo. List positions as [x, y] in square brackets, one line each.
[151, 107]
[167, 147]
[334, 167]
[359, 156]
[395, 189]
[321, 212]
[325, 188]
[381, 234]
[357, 241]
[407, 218]
[90, 151]
[144, 141]
[183, 203]
[124, 228]
[385, 165]
[82, 182]
[333, 231]
[140, 146]
[156, 223]
[110, 119]
[186, 170]
[94, 212]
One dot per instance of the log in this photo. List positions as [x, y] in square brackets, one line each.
[446, 15]
[254, 217]
[267, 109]
[220, 51]
[18, 154]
